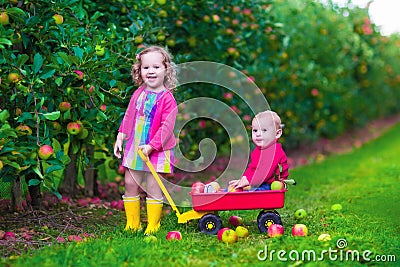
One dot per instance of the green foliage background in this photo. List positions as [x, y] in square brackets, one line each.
[324, 69]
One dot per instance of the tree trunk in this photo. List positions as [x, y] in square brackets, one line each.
[16, 195]
[68, 185]
[90, 174]
[34, 191]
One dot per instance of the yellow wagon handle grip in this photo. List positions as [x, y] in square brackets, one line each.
[158, 179]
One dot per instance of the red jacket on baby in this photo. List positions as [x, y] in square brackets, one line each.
[264, 165]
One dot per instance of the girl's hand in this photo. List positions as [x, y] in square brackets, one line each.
[146, 149]
[118, 144]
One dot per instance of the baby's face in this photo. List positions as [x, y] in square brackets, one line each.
[263, 131]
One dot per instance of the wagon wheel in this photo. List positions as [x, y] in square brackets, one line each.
[267, 218]
[265, 211]
[210, 224]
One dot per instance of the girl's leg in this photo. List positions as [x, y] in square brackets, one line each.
[132, 200]
[154, 204]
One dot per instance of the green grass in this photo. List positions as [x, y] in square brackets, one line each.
[365, 182]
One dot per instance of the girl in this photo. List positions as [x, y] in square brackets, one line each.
[148, 125]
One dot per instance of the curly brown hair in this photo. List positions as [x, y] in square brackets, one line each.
[170, 80]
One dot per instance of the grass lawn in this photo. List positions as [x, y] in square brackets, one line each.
[365, 182]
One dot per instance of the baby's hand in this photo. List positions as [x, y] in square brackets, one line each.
[243, 182]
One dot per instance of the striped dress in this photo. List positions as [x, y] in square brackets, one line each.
[162, 160]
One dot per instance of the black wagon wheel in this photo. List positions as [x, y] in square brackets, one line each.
[266, 211]
[210, 224]
[267, 218]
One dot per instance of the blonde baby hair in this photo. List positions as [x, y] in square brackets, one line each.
[268, 114]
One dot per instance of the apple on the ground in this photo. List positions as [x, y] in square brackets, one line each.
[299, 230]
[150, 239]
[336, 207]
[229, 236]
[242, 231]
[235, 220]
[300, 214]
[275, 230]
[174, 235]
[220, 232]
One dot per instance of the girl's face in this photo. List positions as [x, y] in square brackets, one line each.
[153, 71]
[263, 132]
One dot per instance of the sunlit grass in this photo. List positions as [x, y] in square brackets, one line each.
[365, 182]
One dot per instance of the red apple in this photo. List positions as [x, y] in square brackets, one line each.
[197, 187]
[235, 220]
[4, 18]
[73, 128]
[174, 235]
[121, 169]
[299, 230]
[23, 130]
[275, 230]
[9, 236]
[229, 236]
[242, 232]
[64, 106]
[277, 185]
[45, 152]
[220, 232]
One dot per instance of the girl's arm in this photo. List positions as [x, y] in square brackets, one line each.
[118, 144]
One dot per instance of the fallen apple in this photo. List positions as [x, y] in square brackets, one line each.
[275, 230]
[235, 220]
[300, 214]
[242, 231]
[174, 235]
[299, 230]
[229, 236]
[336, 207]
[277, 185]
[150, 239]
[220, 232]
[324, 237]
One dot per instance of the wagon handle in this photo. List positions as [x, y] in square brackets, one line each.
[160, 183]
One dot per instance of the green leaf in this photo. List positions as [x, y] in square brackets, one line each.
[37, 63]
[78, 52]
[37, 171]
[59, 81]
[56, 145]
[53, 168]
[4, 115]
[96, 15]
[22, 59]
[15, 11]
[52, 115]
[64, 57]
[55, 192]
[5, 41]
[47, 74]
[33, 182]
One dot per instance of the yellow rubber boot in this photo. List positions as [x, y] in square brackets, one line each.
[132, 211]
[154, 211]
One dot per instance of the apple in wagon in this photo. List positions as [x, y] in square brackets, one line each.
[277, 185]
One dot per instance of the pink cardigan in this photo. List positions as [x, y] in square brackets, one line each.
[264, 165]
[161, 133]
